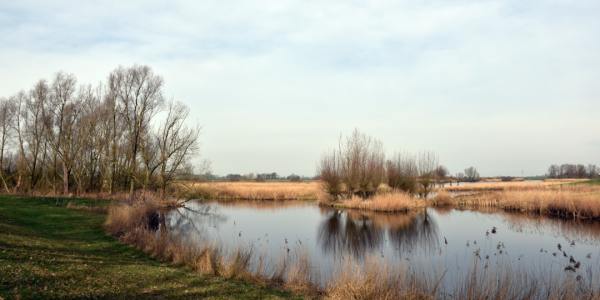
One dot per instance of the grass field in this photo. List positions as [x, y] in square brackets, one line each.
[49, 251]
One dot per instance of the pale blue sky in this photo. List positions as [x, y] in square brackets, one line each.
[506, 86]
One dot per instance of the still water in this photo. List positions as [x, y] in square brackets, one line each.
[437, 243]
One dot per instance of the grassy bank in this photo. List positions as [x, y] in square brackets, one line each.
[50, 251]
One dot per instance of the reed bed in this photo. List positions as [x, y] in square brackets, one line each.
[442, 198]
[374, 280]
[384, 202]
[246, 190]
[384, 221]
[510, 185]
[569, 202]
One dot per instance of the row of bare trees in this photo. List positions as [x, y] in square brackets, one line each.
[357, 167]
[62, 137]
[573, 171]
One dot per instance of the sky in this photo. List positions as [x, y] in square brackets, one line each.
[509, 87]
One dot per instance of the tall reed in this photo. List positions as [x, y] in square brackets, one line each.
[384, 202]
[573, 202]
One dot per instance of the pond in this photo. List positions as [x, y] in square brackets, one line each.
[440, 244]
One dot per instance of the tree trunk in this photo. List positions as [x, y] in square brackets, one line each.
[65, 179]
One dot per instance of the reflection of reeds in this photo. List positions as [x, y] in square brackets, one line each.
[264, 205]
[245, 190]
[570, 202]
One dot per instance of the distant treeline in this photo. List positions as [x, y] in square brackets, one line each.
[253, 177]
[63, 137]
[573, 171]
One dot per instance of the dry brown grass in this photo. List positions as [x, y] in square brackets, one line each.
[374, 280]
[509, 185]
[443, 198]
[385, 202]
[384, 220]
[571, 202]
[246, 190]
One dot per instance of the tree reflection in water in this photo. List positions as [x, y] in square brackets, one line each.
[194, 218]
[359, 233]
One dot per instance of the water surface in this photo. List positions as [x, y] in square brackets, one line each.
[438, 243]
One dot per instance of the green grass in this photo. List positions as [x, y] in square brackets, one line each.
[594, 181]
[49, 251]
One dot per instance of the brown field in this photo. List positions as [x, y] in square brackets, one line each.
[247, 190]
[508, 185]
[570, 202]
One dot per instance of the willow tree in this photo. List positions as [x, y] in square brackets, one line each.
[176, 143]
[7, 111]
[138, 92]
[358, 163]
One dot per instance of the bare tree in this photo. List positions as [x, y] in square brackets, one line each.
[441, 172]
[357, 167]
[89, 140]
[138, 92]
[176, 143]
[7, 111]
[402, 173]
[94, 138]
[471, 174]
[593, 171]
[553, 171]
[29, 126]
[330, 173]
[362, 164]
[61, 115]
[427, 163]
